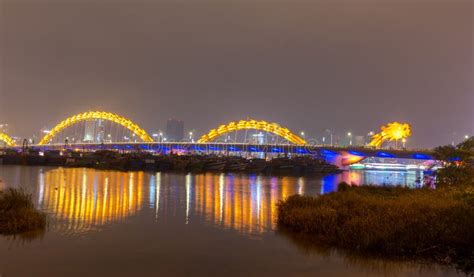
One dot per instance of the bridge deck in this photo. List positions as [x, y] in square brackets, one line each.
[323, 150]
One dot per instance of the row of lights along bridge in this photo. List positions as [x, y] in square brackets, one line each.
[175, 132]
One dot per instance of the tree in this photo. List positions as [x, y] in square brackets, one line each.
[458, 164]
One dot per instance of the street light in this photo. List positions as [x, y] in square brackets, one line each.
[466, 137]
[404, 141]
[191, 136]
[160, 138]
[330, 135]
[349, 134]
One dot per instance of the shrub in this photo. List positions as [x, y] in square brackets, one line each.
[18, 214]
[388, 221]
[455, 175]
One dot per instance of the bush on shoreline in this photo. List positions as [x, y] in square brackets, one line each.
[458, 164]
[388, 221]
[18, 214]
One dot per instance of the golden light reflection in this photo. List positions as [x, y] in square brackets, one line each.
[86, 199]
[245, 204]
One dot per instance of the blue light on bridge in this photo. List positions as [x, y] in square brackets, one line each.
[276, 150]
[301, 151]
[330, 153]
[420, 156]
[455, 159]
[233, 148]
[356, 153]
[197, 148]
[214, 148]
[160, 147]
[385, 155]
[253, 149]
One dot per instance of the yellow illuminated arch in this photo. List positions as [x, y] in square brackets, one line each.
[7, 139]
[252, 124]
[390, 132]
[142, 134]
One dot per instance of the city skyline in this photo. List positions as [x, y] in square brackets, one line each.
[324, 137]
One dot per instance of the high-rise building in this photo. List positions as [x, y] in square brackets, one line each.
[94, 131]
[100, 131]
[89, 131]
[175, 130]
[258, 138]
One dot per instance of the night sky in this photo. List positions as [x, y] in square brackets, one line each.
[347, 65]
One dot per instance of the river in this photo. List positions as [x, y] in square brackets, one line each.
[168, 224]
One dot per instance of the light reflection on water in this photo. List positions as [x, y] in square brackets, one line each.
[372, 177]
[82, 200]
[189, 221]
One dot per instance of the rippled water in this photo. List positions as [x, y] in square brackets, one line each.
[136, 223]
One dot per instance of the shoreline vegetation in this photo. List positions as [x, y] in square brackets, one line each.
[434, 225]
[18, 214]
[393, 222]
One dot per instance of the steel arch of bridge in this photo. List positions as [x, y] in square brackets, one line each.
[7, 139]
[261, 125]
[127, 123]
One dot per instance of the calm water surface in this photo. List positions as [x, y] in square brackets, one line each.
[136, 223]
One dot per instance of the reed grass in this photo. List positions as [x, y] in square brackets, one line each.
[388, 221]
[18, 214]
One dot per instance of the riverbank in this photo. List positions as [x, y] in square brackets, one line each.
[18, 214]
[393, 222]
[114, 160]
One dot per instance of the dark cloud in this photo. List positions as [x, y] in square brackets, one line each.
[346, 65]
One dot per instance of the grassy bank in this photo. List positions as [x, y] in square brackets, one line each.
[18, 214]
[434, 225]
